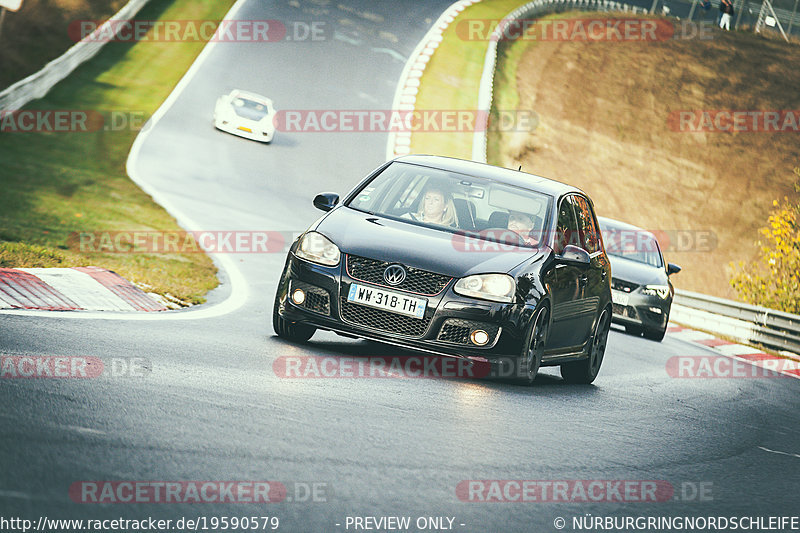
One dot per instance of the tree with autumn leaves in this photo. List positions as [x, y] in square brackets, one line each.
[773, 279]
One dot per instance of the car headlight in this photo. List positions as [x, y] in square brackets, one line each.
[494, 287]
[316, 247]
[662, 291]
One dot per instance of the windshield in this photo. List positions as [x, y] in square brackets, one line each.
[633, 244]
[247, 108]
[454, 202]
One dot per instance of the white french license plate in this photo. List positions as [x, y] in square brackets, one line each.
[618, 297]
[387, 300]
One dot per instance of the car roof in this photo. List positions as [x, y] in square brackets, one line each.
[482, 170]
[616, 224]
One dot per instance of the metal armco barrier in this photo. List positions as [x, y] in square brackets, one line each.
[39, 83]
[749, 323]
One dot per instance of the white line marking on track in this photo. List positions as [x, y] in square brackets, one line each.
[779, 453]
[736, 349]
[15, 494]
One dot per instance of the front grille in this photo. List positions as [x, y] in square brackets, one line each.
[383, 320]
[317, 299]
[624, 310]
[457, 331]
[624, 286]
[417, 280]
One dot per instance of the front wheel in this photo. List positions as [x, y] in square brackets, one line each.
[292, 331]
[655, 334]
[585, 371]
[527, 364]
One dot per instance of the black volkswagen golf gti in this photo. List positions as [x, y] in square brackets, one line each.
[456, 258]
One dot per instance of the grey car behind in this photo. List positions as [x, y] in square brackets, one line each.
[641, 290]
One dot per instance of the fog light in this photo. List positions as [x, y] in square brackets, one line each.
[655, 310]
[479, 337]
[298, 296]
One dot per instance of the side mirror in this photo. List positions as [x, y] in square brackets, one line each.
[575, 254]
[672, 268]
[326, 201]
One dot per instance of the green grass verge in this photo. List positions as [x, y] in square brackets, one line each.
[452, 78]
[54, 184]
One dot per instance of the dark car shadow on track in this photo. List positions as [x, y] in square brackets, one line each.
[545, 384]
[619, 328]
[283, 140]
[232, 141]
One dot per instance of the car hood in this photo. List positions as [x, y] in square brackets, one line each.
[636, 272]
[373, 236]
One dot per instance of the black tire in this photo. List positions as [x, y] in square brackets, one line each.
[292, 331]
[636, 331]
[526, 366]
[585, 371]
[655, 334]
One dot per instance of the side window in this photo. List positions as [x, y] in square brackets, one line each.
[590, 240]
[567, 228]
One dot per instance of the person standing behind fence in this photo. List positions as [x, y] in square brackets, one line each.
[726, 6]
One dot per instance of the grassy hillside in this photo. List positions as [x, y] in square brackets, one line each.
[604, 125]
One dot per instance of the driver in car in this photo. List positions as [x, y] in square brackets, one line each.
[522, 224]
[436, 207]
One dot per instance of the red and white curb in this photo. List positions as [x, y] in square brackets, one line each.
[72, 289]
[405, 96]
[739, 352]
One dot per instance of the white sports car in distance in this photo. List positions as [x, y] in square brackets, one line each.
[245, 114]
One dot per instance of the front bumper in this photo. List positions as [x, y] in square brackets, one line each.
[641, 310]
[444, 329]
[256, 133]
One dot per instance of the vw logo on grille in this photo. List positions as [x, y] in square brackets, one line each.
[394, 274]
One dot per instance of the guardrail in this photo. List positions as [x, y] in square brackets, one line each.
[39, 83]
[746, 12]
[744, 322]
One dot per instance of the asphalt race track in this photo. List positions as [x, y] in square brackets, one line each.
[208, 405]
